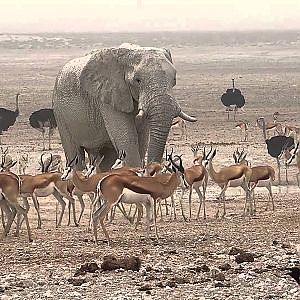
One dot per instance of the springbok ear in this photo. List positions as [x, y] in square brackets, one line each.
[76, 160]
[103, 79]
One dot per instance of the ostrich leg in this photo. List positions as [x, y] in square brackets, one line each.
[279, 171]
[49, 138]
[234, 112]
[43, 133]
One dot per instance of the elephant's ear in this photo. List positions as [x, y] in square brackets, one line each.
[168, 54]
[103, 79]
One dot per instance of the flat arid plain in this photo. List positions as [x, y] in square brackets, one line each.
[191, 259]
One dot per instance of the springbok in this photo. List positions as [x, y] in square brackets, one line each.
[110, 188]
[232, 176]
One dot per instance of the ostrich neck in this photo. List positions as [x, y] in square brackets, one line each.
[264, 128]
[17, 104]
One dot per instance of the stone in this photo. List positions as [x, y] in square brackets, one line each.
[91, 267]
[244, 257]
[77, 281]
[225, 267]
[235, 251]
[145, 287]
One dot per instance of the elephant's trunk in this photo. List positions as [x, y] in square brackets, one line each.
[158, 134]
[160, 115]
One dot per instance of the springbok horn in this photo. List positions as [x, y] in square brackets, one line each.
[95, 158]
[70, 163]
[50, 162]
[211, 149]
[234, 157]
[186, 117]
[42, 163]
[100, 160]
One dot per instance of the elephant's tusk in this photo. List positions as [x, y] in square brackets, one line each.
[186, 117]
[140, 114]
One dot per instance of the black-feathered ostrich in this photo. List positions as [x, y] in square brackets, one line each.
[276, 145]
[8, 117]
[42, 119]
[233, 99]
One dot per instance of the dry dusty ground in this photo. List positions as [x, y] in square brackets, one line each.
[184, 263]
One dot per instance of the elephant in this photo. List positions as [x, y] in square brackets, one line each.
[114, 99]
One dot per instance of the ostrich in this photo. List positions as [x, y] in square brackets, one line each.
[8, 117]
[276, 145]
[233, 99]
[41, 119]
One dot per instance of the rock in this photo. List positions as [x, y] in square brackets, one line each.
[145, 251]
[216, 274]
[244, 257]
[148, 268]
[202, 268]
[160, 284]
[110, 262]
[87, 268]
[149, 277]
[77, 281]
[145, 287]
[181, 280]
[235, 251]
[167, 270]
[171, 283]
[2, 289]
[275, 243]
[285, 245]
[225, 267]
[222, 284]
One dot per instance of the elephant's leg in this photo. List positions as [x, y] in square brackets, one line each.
[122, 133]
[69, 144]
[110, 156]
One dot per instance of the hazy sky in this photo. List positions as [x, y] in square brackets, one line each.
[147, 15]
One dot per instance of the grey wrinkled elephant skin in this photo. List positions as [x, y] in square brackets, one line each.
[97, 97]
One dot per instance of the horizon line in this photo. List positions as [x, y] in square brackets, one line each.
[156, 31]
